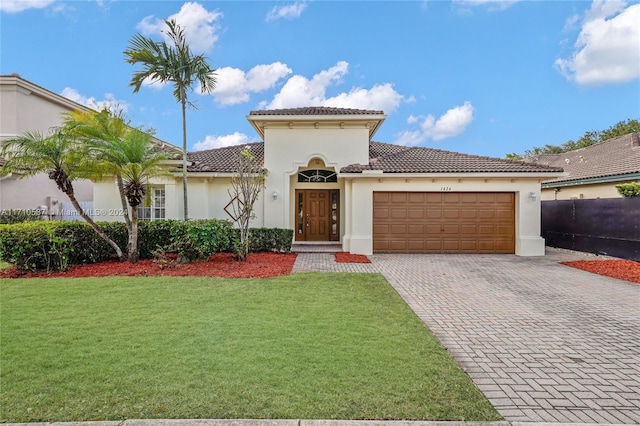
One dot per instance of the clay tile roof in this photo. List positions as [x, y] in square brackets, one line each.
[315, 111]
[222, 160]
[429, 160]
[614, 157]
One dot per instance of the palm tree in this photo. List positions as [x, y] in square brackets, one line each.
[120, 150]
[173, 63]
[99, 128]
[61, 157]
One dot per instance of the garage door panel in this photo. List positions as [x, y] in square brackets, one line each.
[451, 198]
[399, 228]
[444, 222]
[417, 198]
[398, 213]
[433, 213]
[449, 213]
[399, 197]
[417, 228]
[469, 229]
[415, 213]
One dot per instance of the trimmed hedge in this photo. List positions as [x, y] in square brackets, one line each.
[53, 245]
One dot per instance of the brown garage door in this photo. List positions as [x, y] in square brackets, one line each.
[443, 222]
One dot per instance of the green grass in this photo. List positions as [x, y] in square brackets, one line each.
[327, 346]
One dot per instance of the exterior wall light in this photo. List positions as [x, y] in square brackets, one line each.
[275, 195]
[533, 196]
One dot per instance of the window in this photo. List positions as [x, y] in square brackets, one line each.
[317, 176]
[157, 208]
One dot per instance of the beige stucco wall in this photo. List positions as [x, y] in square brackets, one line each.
[288, 150]
[600, 190]
[359, 201]
[25, 107]
[107, 205]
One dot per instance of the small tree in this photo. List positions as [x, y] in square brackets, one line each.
[246, 186]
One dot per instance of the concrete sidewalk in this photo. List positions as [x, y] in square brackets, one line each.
[251, 422]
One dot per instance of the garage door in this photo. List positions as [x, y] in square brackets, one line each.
[443, 222]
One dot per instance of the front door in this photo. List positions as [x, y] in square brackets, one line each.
[317, 215]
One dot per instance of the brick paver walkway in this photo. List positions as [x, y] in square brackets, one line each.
[544, 342]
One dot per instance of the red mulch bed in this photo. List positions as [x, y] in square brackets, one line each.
[627, 270]
[257, 265]
[343, 257]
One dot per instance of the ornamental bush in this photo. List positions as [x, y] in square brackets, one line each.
[629, 189]
[54, 245]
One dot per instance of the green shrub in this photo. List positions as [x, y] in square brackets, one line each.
[270, 239]
[154, 235]
[629, 189]
[199, 239]
[19, 216]
[53, 245]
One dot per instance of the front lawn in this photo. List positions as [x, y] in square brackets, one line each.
[323, 346]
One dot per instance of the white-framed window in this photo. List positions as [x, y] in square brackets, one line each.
[157, 208]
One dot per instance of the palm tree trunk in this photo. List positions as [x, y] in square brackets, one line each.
[184, 152]
[133, 237]
[125, 209]
[93, 225]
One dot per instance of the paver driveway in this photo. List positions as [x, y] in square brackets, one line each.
[544, 342]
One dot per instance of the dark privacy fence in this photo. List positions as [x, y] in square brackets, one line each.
[604, 226]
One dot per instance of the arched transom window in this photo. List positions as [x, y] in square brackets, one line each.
[317, 175]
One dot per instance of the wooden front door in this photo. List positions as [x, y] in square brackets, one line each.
[317, 215]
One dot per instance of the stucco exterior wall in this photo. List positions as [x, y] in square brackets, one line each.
[288, 150]
[358, 236]
[25, 107]
[600, 190]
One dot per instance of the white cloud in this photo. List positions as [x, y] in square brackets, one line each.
[300, 91]
[15, 6]
[606, 50]
[451, 123]
[200, 26]
[110, 102]
[214, 141]
[234, 86]
[287, 12]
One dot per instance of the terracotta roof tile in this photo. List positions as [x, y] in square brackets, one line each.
[429, 160]
[222, 160]
[383, 156]
[315, 111]
[617, 156]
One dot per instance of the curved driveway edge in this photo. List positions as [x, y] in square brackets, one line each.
[544, 342]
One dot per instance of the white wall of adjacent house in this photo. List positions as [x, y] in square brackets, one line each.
[358, 236]
[599, 190]
[25, 107]
[288, 150]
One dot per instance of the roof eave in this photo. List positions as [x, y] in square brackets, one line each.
[376, 174]
[594, 180]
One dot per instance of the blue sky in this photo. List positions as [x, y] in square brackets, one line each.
[481, 77]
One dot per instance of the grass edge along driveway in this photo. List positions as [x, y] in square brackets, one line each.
[311, 346]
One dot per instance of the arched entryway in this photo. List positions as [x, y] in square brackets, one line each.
[317, 203]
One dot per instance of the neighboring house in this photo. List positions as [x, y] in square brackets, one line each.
[594, 171]
[328, 181]
[27, 107]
